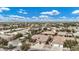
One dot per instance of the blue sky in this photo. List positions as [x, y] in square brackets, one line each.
[39, 14]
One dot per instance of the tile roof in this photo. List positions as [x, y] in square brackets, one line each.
[40, 37]
[58, 39]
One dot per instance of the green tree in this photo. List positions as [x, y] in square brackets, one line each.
[75, 48]
[70, 43]
[18, 35]
[25, 47]
[49, 40]
[3, 42]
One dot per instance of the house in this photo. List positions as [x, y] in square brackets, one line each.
[56, 44]
[69, 35]
[40, 38]
[35, 28]
[65, 34]
[76, 34]
[49, 32]
[58, 41]
[4, 31]
[6, 37]
[37, 46]
[62, 33]
[14, 43]
[13, 33]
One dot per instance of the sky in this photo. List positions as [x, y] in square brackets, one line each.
[37, 14]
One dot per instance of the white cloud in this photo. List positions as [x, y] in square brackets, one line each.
[72, 17]
[63, 17]
[4, 9]
[16, 18]
[40, 18]
[24, 12]
[34, 17]
[1, 17]
[12, 18]
[53, 12]
[21, 11]
[77, 17]
[75, 12]
[43, 16]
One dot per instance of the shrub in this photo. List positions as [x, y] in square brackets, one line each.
[17, 36]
